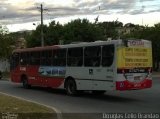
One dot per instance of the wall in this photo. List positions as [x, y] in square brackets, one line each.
[4, 65]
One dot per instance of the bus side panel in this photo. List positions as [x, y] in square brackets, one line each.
[35, 77]
[51, 76]
[15, 75]
[81, 77]
[29, 71]
[103, 78]
[32, 75]
[89, 78]
[53, 82]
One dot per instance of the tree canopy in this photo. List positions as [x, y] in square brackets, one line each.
[5, 43]
[77, 30]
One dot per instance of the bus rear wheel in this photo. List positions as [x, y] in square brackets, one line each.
[71, 87]
[25, 82]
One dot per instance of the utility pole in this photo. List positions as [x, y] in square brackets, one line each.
[42, 38]
[42, 34]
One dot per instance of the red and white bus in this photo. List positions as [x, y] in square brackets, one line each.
[94, 66]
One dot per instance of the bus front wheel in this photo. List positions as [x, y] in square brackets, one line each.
[25, 82]
[71, 87]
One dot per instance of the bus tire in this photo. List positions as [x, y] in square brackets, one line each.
[25, 82]
[98, 92]
[71, 87]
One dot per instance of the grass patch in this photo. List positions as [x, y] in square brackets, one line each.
[23, 109]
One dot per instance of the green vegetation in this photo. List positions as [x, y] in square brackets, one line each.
[5, 43]
[83, 31]
[77, 30]
[24, 109]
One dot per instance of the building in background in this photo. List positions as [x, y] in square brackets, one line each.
[4, 65]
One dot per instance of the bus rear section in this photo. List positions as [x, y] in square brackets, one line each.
[134, 65]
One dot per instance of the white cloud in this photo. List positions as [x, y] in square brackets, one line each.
[22, 11]
[112, 1]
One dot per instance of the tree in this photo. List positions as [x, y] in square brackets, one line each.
[110, 29]
[77, 30]
[5, 43]
[34, 39]
[83, 31]
[54, 33]
[155, 38]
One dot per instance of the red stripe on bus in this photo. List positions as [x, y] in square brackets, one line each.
[34, 78]
[126, 85]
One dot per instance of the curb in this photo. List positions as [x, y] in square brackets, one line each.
[58, 112]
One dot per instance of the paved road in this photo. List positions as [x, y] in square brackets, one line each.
[147, 100]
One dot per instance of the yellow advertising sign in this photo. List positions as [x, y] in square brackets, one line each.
[134, 57]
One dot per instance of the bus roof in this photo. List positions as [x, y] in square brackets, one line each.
[78, 44]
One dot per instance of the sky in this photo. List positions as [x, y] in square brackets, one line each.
[21, 14]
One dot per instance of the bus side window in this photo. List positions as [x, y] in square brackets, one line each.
[14, 60]
[24, 58]
[92, 56]
[107, 55]
[75, 57]
[59, 57]
[46, 57]
[34, 58]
